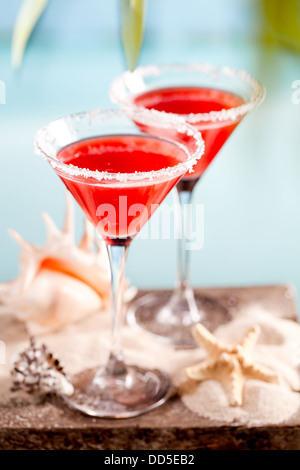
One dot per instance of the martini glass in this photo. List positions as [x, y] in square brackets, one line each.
[119, 175]
[214, 100]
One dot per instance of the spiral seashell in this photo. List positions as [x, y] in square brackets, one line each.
[60, 282]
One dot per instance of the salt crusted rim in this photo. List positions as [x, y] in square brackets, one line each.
[120, 93]
[46, 136]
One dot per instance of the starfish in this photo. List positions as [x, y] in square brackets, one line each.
[230, 364]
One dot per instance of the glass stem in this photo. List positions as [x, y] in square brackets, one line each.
[117, 257]
[184, 191]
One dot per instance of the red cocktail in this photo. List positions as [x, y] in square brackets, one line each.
[119, 212]
[106, 161]
[195, 100]
[214, 100]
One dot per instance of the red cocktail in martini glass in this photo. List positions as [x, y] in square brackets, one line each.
[119, 175]
[214, 100]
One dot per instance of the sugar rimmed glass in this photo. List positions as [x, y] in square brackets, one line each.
[117, 390]
[169, 317]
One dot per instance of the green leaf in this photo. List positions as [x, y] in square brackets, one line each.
[284, 19]
[132, 29]
[27, 18]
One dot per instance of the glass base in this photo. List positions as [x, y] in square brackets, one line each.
[168, 317]
[134, 393]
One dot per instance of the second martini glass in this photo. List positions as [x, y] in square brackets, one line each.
[214, 100]
[119, 175]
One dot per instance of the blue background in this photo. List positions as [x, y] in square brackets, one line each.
[251, 192]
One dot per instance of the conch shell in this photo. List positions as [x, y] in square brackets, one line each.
[60, 282]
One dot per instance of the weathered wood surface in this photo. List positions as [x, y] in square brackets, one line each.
[49, 424]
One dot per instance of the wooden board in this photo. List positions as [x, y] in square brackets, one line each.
[49, 424]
